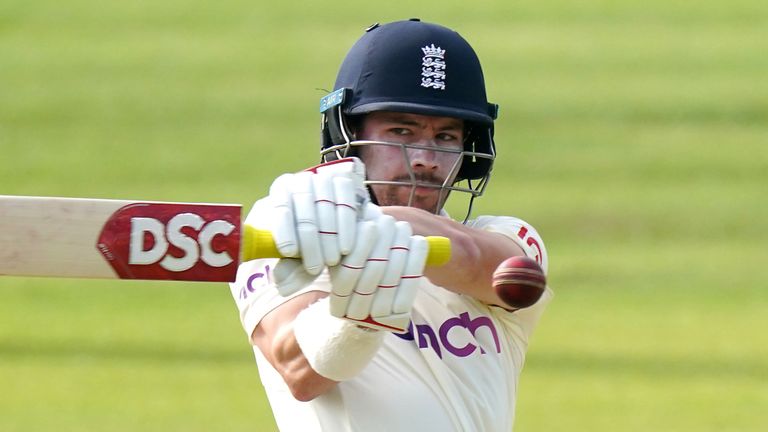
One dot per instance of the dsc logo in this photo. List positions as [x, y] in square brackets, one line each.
[162, 236]
[196, 242]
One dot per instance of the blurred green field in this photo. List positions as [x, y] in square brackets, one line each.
[634, 135]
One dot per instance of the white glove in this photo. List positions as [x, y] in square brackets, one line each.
[290, 274]
[376, 284]
[315, 213]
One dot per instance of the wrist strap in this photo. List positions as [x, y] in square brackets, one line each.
[335, 348]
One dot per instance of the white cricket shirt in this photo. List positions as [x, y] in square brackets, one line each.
[457, 369]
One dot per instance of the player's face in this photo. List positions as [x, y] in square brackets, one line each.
[427, 149]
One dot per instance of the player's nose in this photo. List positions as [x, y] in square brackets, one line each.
[424, 158]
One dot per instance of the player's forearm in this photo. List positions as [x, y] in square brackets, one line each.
[475, 254]
[275, 338]
[305, 384]
[311, 349]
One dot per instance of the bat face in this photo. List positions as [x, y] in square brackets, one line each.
[92, 238]
[100, 238]
[199, 242]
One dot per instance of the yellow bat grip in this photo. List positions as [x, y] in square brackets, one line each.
[258, 243]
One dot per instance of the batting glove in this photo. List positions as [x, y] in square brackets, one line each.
[376, 284]
[290, 274]
[315, 213]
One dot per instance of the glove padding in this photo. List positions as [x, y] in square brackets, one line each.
[376, 284]
[314, 214]
[290, 274]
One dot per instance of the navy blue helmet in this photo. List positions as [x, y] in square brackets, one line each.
[419, 68]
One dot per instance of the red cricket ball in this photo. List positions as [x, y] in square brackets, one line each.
[519, 281]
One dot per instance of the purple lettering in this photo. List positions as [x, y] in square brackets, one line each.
[460, 321]
[424, 329]
[483, 321]
[425, 337]
[249, 285]
[407, 335]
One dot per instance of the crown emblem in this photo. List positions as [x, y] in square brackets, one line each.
[433, 67]
[433, 51]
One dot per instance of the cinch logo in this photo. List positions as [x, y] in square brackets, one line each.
[256, 280]
[426, 337]
[199, 242]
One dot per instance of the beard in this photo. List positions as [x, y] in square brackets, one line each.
[408, 194]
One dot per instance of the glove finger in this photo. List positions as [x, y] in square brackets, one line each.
[359, 307]
[290, 276]
[346, 213]
[338, 305]
[325, 208]
[281, 217]
[414, 270]
[371, 211]
[344, 276]
[362, 297]
[376, 263]
[306, 223]
[398, 256]
[383, 299]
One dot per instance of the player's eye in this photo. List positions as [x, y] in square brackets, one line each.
[447, 137]
[450, 139]
[400, 131]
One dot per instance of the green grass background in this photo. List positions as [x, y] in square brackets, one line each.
[633, 134]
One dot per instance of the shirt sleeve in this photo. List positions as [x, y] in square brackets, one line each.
[521, 232]
[255, 294]
[254, 290]
[526, 236]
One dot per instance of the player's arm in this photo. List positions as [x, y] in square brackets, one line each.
[313, 350]
[475, 253]
[275, 338]
[315, 340]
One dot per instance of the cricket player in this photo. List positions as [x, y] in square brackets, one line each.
[355, 333]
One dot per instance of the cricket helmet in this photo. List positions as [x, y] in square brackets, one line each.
[413, 67]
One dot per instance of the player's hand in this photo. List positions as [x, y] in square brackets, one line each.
[290, 274]
[314, 215]
[376, 284]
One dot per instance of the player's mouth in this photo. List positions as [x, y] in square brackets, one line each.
[422, 184]
[422, 191]
[426, 191]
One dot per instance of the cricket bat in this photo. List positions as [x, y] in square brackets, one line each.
[151, 240]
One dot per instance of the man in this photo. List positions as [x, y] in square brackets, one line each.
[354, 333]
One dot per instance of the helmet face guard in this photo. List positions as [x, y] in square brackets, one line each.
[418, 68]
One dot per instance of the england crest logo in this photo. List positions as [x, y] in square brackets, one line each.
[433, 67]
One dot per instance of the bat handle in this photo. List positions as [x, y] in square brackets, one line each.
[258, 243]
